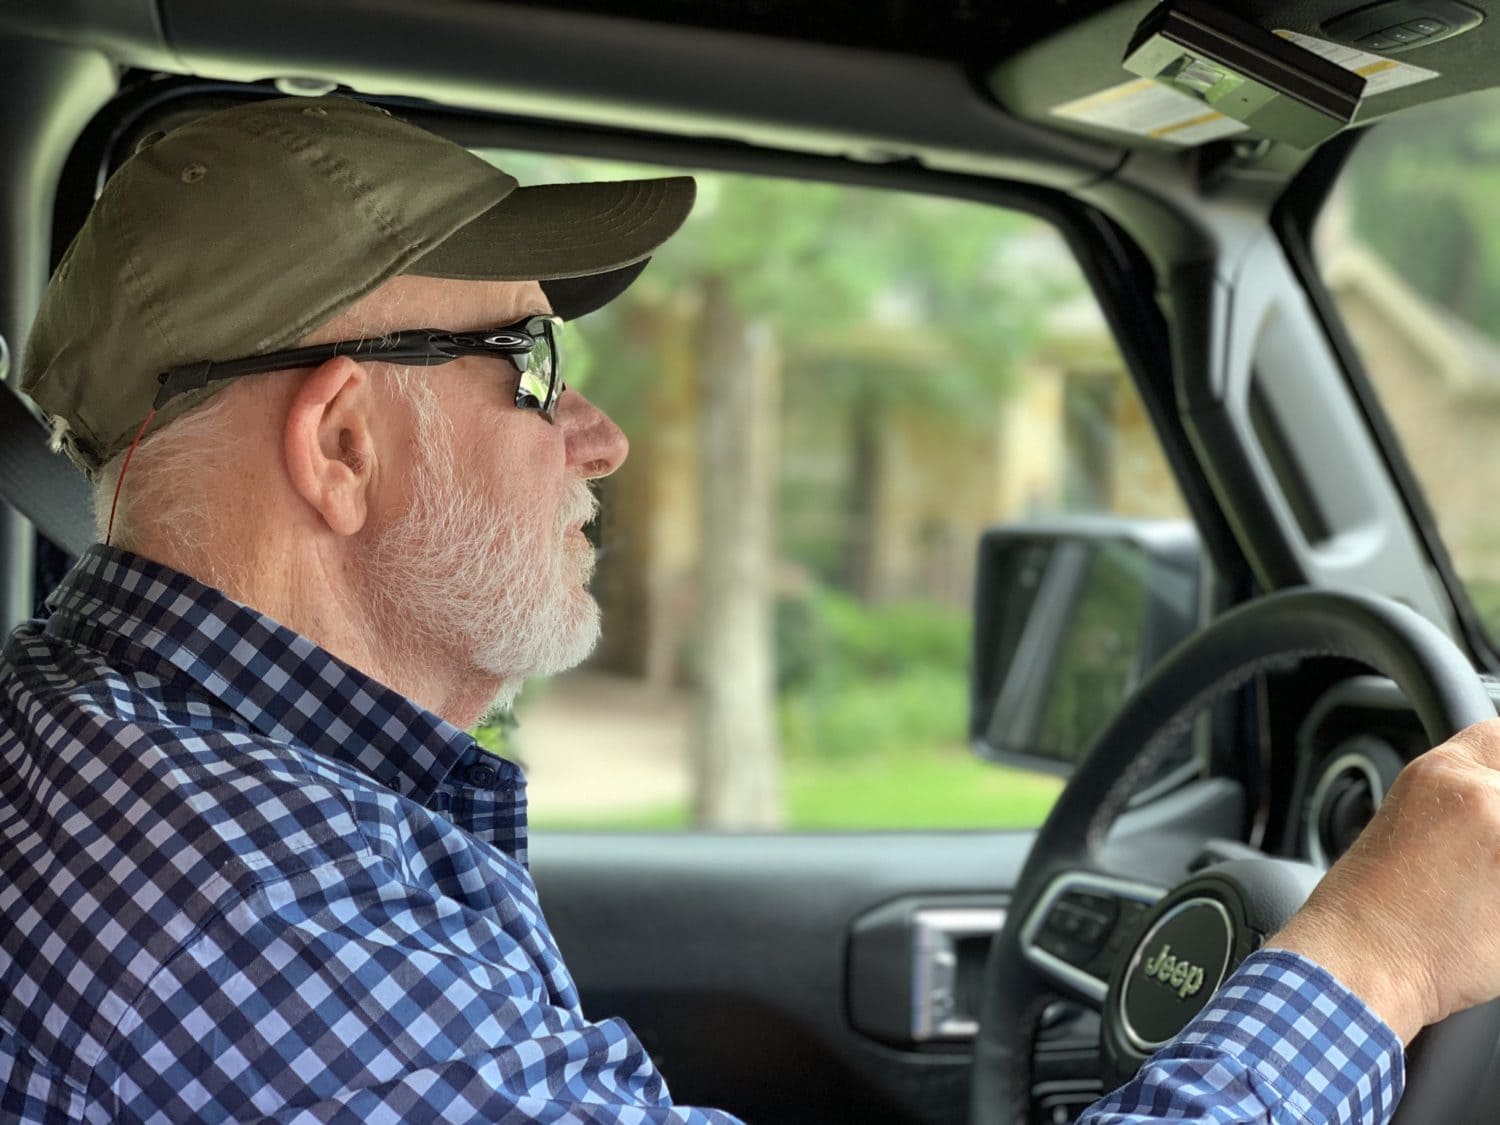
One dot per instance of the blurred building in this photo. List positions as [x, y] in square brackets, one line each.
[1439, 380]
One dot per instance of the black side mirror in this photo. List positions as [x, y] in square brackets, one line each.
[1069, 617]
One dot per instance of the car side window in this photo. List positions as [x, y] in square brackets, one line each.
[831, 394]
[1408, 246]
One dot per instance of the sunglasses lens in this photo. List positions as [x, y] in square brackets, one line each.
[540, 385]
[532, 391]
[544, 357]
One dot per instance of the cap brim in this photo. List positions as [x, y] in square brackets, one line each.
[590, 240]
[571, 297]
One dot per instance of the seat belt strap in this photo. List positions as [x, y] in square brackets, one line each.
[45, 487]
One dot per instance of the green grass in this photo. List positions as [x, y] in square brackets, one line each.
[672, 817]
[950, 789]
[946, 789]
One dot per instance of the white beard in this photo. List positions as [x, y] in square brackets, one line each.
[503, 590]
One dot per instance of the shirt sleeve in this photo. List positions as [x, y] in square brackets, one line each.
[345, 994]
[1281, 1043]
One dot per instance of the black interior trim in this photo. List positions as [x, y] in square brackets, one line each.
[496, 56]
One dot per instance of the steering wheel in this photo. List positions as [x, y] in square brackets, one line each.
[1078, 930]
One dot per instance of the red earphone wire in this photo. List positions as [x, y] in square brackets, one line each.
[129, 453]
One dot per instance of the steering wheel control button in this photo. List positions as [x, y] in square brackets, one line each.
[1081, 927]
[1177, 966]
[1065, 949]
[1083, 918]
[1120, 940]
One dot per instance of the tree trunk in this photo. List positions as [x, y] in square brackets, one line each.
[648, 520]
[736, 769]
[865, 481]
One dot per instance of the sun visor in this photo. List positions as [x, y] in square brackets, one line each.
[1275, 87]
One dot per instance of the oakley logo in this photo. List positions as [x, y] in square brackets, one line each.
[1177, 973]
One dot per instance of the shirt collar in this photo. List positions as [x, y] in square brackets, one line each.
[275, 679]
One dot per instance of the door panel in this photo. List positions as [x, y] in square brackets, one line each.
[727, 954]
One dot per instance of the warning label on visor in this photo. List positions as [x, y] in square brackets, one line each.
[1143, 107]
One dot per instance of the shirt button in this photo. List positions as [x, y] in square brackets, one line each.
[481, 777]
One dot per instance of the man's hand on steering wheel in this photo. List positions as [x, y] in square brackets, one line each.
[1409, 918]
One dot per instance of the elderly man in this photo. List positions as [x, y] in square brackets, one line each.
[253, 868]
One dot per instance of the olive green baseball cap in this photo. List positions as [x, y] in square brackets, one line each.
[239, 233]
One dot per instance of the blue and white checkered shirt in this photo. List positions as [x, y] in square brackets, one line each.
[1281, 1043]
[243, 881]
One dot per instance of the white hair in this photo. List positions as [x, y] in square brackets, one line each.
[166, 498]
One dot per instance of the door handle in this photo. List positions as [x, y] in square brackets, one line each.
[940, 936]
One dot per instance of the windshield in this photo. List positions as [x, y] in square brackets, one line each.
[1409, 246]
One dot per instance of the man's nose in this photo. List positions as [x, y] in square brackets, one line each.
[596, 446]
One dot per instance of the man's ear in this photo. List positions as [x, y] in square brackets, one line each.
[328, 443]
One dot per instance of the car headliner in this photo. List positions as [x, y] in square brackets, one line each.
[966, 86]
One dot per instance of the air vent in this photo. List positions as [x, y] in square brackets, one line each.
[1351, 785]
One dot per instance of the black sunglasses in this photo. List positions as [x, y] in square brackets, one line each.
[530, 345]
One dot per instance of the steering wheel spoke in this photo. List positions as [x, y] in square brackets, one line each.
[1081, 926]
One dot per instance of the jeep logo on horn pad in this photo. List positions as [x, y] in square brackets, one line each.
[1174, 970]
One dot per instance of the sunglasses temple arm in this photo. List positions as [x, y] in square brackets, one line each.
[417, 349]
[196, 376]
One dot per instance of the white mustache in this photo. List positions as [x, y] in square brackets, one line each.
[580, 507]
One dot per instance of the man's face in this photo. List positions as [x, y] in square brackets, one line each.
[480, 549]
